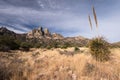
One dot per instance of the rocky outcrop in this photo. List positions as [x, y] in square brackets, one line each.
[46, 31]
[40, 33]
[57, 36]
[36, 33]
[47, 34]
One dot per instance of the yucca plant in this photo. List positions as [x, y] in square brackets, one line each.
[99, 49]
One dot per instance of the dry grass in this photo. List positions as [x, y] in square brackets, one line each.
[42, 64]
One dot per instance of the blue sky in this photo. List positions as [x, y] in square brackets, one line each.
[67, 17]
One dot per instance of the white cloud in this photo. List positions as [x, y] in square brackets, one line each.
[69, 22]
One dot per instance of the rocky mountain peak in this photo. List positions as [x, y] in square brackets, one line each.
[46, 32]
[35, 33]
[2, 29]
[43, 33]
[5, 31]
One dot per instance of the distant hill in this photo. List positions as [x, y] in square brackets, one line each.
[116, 44]
[40, 38]
[8, 33]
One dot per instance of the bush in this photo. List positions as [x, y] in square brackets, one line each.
[76, 49]
[48, 47]
[25, 46]
[37, 45]
[4, 48]
[64, 47]
[8, 43]
[99, 49]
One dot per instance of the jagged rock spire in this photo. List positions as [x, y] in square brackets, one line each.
[40, 33]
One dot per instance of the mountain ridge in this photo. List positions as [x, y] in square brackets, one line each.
[39, 38]
[38, 33]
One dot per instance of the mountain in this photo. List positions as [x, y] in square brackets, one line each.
[116, 44]
[5, 31]
[40, 38]
[44, 35]
[8, 33]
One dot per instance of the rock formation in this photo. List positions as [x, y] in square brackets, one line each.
[57, 36]
[47, 33]
[39, 33]
[36, 33]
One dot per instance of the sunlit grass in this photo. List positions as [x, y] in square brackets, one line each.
[43, 64]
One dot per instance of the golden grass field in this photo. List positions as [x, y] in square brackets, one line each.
[58, 64]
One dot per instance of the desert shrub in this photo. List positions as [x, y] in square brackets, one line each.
[4, 48]
[99, 49]
[55, 45]
[25, 46]
[49, 47]
[7, 43]
[76, 49]
[88, 69]
[64, 47]
[37, 45]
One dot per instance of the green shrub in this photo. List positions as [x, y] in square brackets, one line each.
[25, 46]
[37, 45]
[99, 49]
[48, 47]
[64, 47]
[4, 48]
[76, 49]
[8, 43]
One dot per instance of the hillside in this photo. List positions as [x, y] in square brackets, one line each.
[38, 38]
[116, 44]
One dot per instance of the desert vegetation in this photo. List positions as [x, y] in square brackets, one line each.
[40, 55]
[45, 64]
[8, 43]
[99, 49]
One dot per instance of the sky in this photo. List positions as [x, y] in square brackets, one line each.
[67, 17]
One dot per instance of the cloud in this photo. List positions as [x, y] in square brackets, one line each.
[67, 17]
[21, 3]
